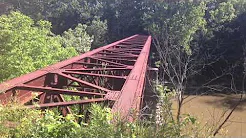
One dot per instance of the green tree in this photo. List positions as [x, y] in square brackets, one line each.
[77, 38]
[124, 17]
[98, 29]
[175, 22]
[173, 26]
[27, 45]
[223, 12]
[239, 6]
[33, 8]
[66, 14]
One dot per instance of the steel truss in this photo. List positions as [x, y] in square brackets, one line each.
[113, 74]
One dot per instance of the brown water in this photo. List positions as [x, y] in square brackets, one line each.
[209, 111]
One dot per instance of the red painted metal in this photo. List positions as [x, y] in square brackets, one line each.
[132, 91]
[114, 73]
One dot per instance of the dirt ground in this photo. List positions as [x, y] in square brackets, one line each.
[209, 111]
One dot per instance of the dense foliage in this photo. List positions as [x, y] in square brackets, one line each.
[18, 121]
[27, 45]
[198, 45]
[77, 38]
[193, 27]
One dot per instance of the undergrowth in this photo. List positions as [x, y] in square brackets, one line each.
[17, 122]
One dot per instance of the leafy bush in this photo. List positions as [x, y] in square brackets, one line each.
[18, 121]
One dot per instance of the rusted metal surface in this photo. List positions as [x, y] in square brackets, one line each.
[114, 73]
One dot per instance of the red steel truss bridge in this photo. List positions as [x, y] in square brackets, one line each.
[113, 74]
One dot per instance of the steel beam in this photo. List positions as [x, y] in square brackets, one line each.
[132, 91]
